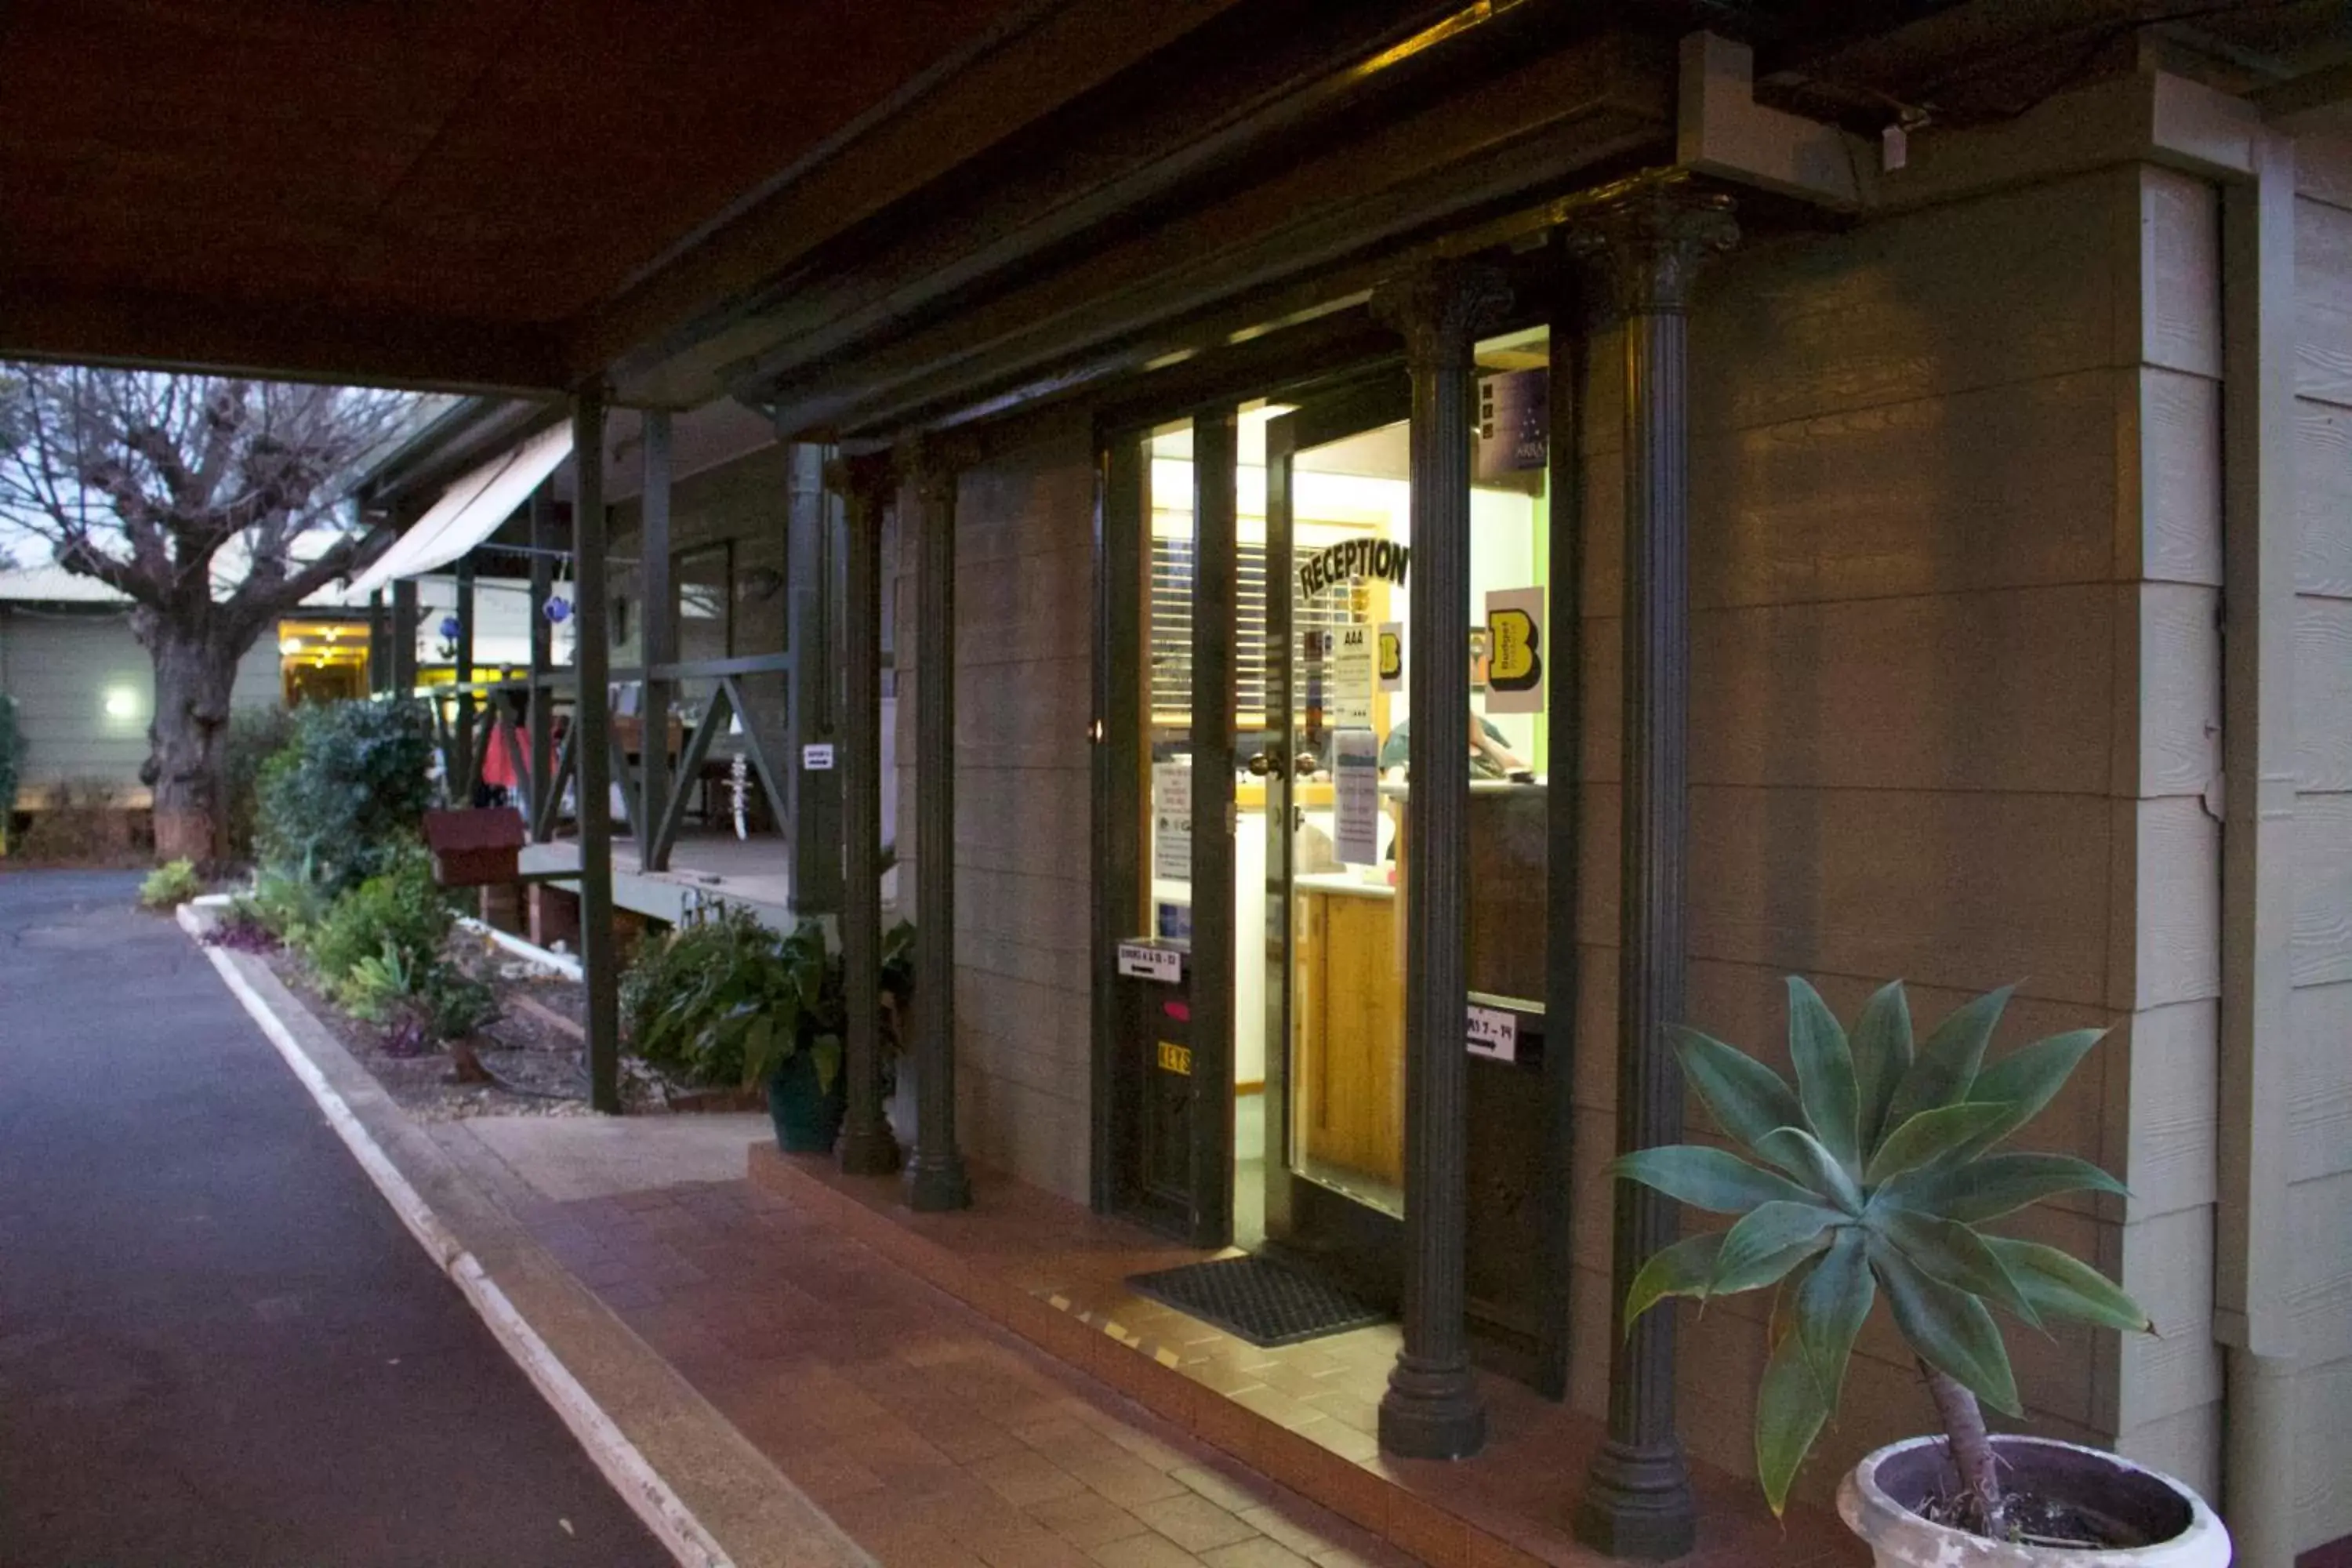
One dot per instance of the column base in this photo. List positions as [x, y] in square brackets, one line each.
[937, 1183]
[1637, 1502]
[867, 1151]
[1432, 1411]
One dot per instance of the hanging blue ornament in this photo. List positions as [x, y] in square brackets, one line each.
[449, 628]
[559, 610]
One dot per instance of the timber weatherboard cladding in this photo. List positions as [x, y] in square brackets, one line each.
[1025, 618]
[1955, 557]
[2319, 1200]
[59, 663]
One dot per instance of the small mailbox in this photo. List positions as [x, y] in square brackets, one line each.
[474, 848]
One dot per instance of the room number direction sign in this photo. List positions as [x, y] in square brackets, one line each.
[1494, 1034]
[1143, 961]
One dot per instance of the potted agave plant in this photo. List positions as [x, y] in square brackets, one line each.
[1874, 1177]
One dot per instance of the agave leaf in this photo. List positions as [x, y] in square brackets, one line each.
[2065, 1287]
[1831, 1305]
[1712, 1179]
[1928, 1137]
[1746, 1098]
[1789, 1412]
[1948, 1251]
[1784, 1299]
[1950, 1327]
[1882, 1054]
[1800, 1154]
[2028, 1078]
[1995, 1185]
[1768, 1242]
[1947, 1065]
[1825, 1077]
[1682, 1269]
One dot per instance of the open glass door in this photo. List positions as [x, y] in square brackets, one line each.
[1338, 551]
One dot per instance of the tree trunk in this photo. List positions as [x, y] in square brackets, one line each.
[195, 678]
[1981, 1501]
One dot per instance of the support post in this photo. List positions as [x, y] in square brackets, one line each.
[404, 636]
[659, 616]
[379, 634]
[811, 709]
[591, 750]
[1431, 1409]
[867, 1147]
[541, 697]
[935, 1174]
[1645, 240]
[1216, 592]
[461, 754]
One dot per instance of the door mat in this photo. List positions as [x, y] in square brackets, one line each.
[1258, 1300]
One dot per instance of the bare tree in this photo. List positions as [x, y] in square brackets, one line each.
[215, 505]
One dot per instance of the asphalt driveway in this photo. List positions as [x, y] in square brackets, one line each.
[217, 1345]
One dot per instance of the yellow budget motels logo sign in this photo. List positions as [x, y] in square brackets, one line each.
[1515, 669]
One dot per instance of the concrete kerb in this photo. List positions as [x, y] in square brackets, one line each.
[639, 1421]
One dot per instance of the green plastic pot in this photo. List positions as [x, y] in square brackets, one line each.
[807, 1118]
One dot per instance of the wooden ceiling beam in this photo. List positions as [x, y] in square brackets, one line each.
[270, 340]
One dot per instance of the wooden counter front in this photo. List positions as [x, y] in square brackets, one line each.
[1347, 1080]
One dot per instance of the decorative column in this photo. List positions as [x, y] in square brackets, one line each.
[659, 618]
[461, 762]
[404, 636]
[934, 1173]
[867, 1147]
[592, 753]
[1644, 241]
[1433, 1409]
[813, 520]
[541, 713]
[379, 634]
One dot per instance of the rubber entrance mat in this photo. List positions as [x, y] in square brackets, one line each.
[1258, 1300]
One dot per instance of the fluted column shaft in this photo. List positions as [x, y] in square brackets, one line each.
[934, 1173]
[1431, 1409]
[1645, 240]
[867, 1146]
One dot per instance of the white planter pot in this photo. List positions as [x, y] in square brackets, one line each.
[1873, 1501]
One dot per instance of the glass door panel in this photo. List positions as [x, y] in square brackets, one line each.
[1338, 551]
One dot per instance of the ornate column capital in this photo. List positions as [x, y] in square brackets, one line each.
[1440, 308]
[864, 480]
[1645, 238]
[932, 462]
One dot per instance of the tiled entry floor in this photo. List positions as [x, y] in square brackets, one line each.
[934, 1437]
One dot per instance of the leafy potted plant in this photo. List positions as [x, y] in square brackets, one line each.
[728, 1000]
[1874, 1175]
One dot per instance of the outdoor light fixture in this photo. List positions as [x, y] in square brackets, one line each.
[290, 645]
[449, 628]
[121, 702]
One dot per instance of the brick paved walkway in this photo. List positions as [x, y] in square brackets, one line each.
[935, 1438]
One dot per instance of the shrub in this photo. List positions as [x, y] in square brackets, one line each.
[253, 736]
[349, 788]
[289, 904]
[85, 823]
[170, 885]
[728, 1001]
[398, 909]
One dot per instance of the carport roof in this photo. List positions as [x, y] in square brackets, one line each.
[427, 191]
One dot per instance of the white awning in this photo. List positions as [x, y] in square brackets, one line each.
[469, 510]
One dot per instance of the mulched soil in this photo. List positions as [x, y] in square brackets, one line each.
[533, 1048]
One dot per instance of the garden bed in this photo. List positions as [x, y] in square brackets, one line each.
[532, 1046]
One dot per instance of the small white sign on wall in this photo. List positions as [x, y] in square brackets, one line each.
[817, 757]
[1494, 1034]
[1142, 960]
